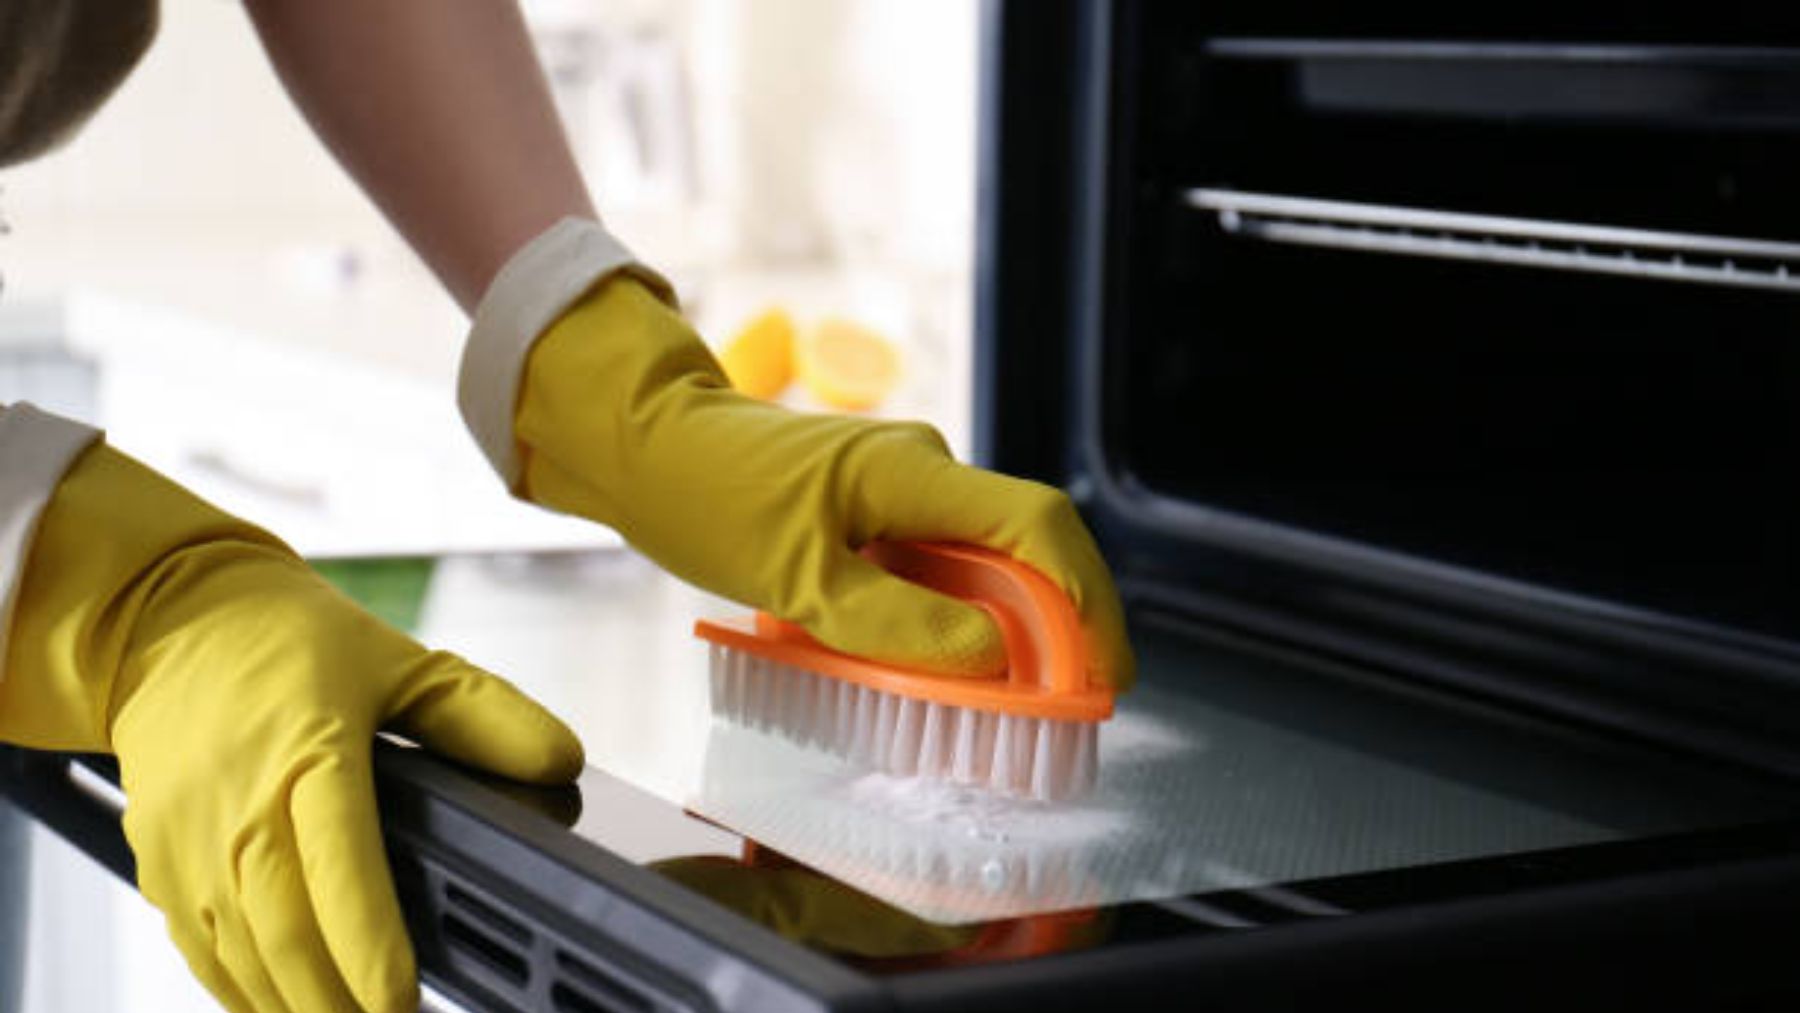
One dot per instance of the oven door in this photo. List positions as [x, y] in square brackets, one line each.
[1272, 830]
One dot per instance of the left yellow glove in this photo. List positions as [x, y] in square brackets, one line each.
[241, 694]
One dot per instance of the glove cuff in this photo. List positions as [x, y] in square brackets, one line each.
[542, 280]
[36, 448]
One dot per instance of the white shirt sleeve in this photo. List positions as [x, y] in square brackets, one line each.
[542, 280]
[36, 449]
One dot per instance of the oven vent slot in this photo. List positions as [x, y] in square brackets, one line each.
[1525, 242]
[510, 964]
[584, 987]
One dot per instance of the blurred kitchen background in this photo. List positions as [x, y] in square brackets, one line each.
[196, 275]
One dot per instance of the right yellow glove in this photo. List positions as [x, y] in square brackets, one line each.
[624, 417]
[241, 694]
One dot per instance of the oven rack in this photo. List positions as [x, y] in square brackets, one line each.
[1526, 242]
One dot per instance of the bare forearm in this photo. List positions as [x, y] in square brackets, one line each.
[442, 114]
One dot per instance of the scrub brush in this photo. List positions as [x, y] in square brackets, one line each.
[1033, 729]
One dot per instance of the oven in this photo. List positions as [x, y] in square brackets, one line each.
[1429, 380]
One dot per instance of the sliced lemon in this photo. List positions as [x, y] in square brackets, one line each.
[847, 366]
[759, 360]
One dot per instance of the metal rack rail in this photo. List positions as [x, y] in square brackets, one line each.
[1526, 242]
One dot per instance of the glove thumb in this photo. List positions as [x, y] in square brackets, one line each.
[861, 609]
[475, 717]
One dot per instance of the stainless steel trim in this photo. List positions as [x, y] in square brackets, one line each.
[1298, 903]
[1278, 896]
[433, 1001]
[1204, 913]
[1451, 235]
[96, 787]
[1256, 47]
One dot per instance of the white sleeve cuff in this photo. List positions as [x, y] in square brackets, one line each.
[36, 448]
[541, 281]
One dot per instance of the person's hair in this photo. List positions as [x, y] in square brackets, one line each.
[59, 60]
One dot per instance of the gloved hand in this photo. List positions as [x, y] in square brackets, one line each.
[624, 417]
[241, 694]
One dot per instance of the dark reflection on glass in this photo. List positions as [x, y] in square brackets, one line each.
[818, 911]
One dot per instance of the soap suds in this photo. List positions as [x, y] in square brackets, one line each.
[980, 814]
[1139, 737]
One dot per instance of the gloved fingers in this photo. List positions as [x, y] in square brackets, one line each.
[478, 718]
[1059, 546]
[203, 963]
[238, 955]
[941, 500]
[858, 608]
[337, 835]
[194, 929]
[283, 927]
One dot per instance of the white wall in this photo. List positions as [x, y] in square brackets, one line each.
[830, 142]
[831, 170]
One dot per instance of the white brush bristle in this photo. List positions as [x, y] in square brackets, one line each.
[1039, 757]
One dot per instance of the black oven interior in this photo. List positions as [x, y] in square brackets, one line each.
[1516, 292]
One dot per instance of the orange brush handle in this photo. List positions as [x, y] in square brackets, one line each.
[1046, 658]
[1038, 624]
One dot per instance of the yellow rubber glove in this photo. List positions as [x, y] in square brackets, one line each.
[624, 417]
[241, 694]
